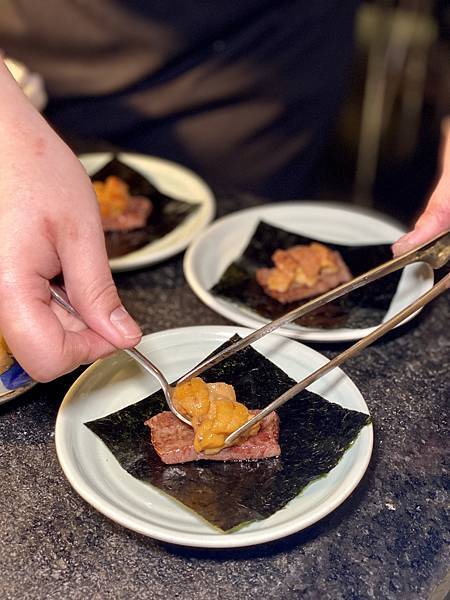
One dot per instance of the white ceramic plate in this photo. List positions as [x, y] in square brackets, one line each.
[174, 180]
[116, 382]
[7, 395]
[226, 239]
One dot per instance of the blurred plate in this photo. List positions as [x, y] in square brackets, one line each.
[32, 84]
[7, 395]
[226, 239]
[173, 180]
[116, 382]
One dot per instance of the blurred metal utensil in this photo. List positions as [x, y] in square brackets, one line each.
[60, 296]
[436, 253]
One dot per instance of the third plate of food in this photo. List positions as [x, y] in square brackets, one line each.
[151, 208]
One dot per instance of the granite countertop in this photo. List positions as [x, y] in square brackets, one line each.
[388, 540]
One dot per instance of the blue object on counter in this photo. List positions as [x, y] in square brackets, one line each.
[15, 377]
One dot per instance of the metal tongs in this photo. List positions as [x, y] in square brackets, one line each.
[435, 253]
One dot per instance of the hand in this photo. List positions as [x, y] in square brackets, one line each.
[435, 218]
[50, 224]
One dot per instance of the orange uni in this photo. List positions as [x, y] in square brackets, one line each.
[214, 412]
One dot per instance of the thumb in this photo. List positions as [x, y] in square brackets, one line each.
[91, 289]
[428, 226]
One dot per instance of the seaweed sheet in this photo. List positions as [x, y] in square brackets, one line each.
[166, 215]
[314, 435]
[364, 307]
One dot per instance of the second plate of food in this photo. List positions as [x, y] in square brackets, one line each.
[151, 208]
[223, 264]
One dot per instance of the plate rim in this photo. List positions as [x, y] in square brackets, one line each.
[238, 315]
[8, 395]
[208, 204]
[216, 540]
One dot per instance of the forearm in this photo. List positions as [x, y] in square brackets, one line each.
[24, 133]
[18, 117]
[445, 148]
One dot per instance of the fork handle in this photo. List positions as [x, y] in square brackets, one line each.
[59, 295]
[435, 291]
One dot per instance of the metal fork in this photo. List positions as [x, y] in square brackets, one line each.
[59, 295]
[435, 253]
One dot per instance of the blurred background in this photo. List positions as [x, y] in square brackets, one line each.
[384, 149]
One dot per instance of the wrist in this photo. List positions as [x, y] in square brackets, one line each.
[19, 120]
[445, 148]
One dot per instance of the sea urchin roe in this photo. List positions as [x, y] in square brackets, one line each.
[300, 264]
[112, 195]
[214, 413]
[192, 398]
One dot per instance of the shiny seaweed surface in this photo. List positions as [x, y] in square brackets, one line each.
[362, 308]
[167, 214]
[314, 434]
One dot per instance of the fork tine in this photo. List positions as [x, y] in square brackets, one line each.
[435, 291]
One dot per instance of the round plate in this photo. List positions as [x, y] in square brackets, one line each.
[175, 181]
[118, 381]
[7, 395]
[226, 239]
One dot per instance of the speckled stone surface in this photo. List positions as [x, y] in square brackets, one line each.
[389, 540]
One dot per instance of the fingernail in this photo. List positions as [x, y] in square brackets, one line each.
[404, 244]
[407, 237]
[400, 243]
[124, 323]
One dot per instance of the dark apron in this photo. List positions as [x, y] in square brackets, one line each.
[243, 92]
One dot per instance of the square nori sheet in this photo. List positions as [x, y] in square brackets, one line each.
[167, 214]
[364, 307]
[314, 435]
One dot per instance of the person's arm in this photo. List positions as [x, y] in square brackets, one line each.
[50, 224]
[436, 216]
